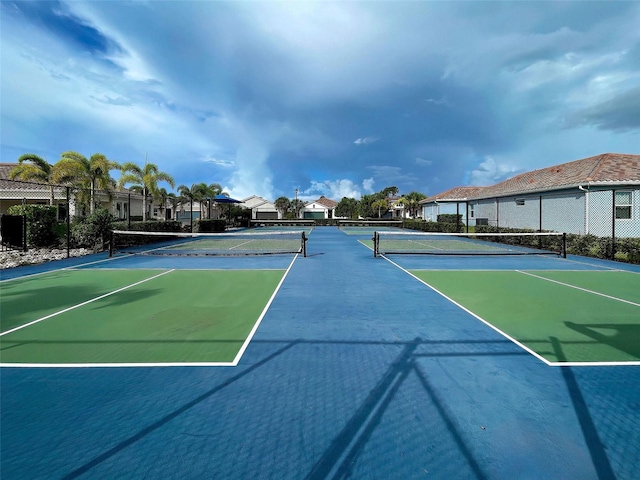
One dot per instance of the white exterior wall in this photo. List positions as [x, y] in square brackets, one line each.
[316, 208]
[431, 211]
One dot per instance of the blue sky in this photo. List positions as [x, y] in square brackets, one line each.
[332, 98]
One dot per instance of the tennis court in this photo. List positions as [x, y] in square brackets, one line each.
[335, 365]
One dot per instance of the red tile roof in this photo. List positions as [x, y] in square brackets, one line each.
[327, 202]
[607, 169]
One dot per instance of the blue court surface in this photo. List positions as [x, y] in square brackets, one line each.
[357, 370]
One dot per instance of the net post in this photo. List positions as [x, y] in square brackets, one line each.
[24, 233]
[376, 241]
[564, 245]
[304, 244]
[111, 243]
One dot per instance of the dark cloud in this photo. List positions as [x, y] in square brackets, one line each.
[56, 17]
[620, 113]
[327, 96]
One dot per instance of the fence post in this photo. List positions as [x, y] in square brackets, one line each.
[68, 223]
[613, 224]
[540, 213]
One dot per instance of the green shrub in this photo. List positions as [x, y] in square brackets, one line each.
[149, 226]
[93, 231]
[211, 226]
[41, 223]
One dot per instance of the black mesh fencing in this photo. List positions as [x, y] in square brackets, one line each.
[602, 223]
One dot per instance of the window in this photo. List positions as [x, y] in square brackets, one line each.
[623, 205]
[519, 201]
[472, 210]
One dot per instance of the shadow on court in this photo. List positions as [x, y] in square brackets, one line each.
[402, 421]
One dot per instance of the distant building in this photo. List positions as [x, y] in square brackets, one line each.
[261, 209]
[323, 207]
[121, 203]
[598, 195]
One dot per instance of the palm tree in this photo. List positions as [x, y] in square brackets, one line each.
[88, 174]
[205, 194]
[283, 205]
[380, 204]
[199, 191]
[412, 201]
[145, 178]
[31, 167]
[296, 207]
[162, 196]
[173, 198]
[214, 190]
[187, 194]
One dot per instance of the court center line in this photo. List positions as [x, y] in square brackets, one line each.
[85, 303]
[580, 288]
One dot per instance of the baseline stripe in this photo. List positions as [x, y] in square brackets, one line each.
[580, 288]
[84, 303]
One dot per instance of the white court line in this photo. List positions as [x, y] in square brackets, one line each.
[580, 288]
[233, 363]
[70, 267]
[264, 312]
[504, 334]
[521, 345]
[84, 303]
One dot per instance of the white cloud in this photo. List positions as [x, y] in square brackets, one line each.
[252, 176]
[218, 161]
[490, 172]
[337, 189]
[423, 162]
[365, 140]
[367, 185]
[440, 101]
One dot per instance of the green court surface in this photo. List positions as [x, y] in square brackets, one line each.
[562, 316]
[132, 316]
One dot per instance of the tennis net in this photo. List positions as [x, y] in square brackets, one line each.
[282, 224]
[342, 224]
[201, 244]
[432, 243]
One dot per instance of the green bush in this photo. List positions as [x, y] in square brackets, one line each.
[41, 223]
[149, 226]
[211, 226]
[93, 231]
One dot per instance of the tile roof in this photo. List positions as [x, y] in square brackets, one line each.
[327, 202]
[456, 193]
[607, 169]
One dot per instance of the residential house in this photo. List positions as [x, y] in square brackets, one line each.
[122, 203]
[261, 209]
[323, 207]
[598, 195]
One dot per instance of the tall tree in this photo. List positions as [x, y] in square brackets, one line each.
[205, 194]
[187, 194]
[32, 168]
[161, 196]
[347, 208]
[296, 207]
[214, 189]
[283, 205]
[412, 202]
[146, 178]
[380, 205]
[88, 174]
[390, 192]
